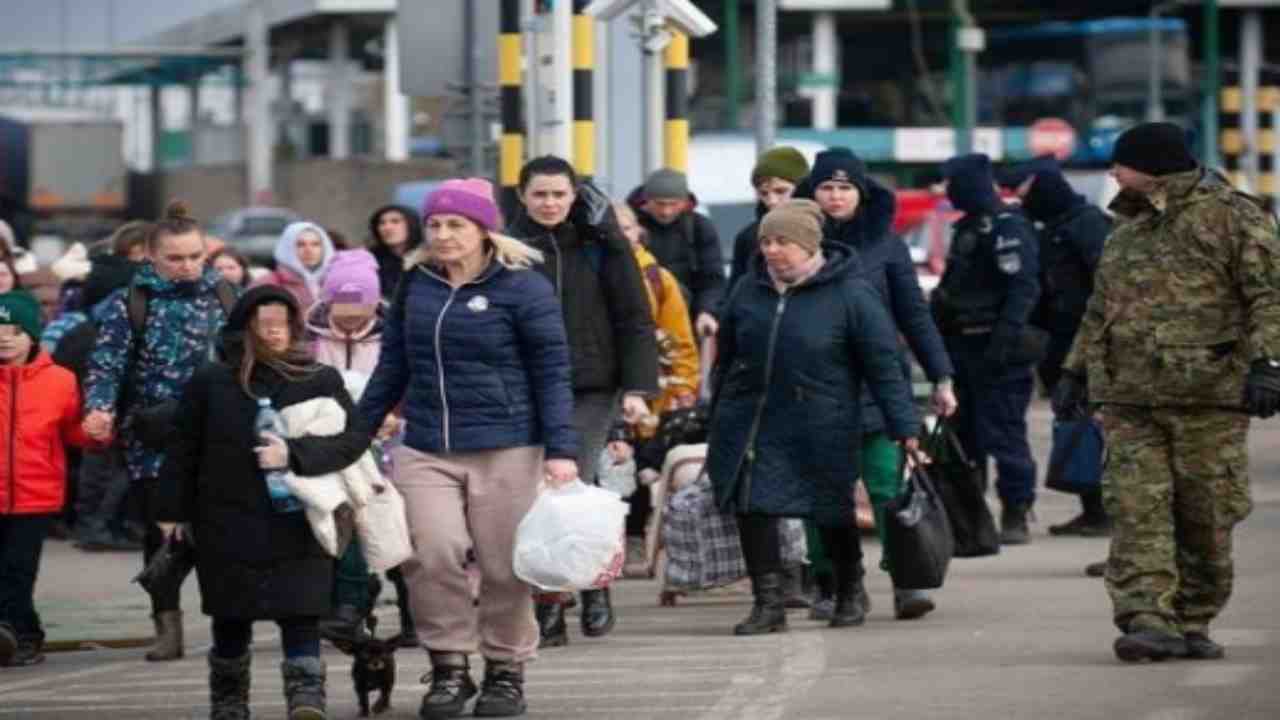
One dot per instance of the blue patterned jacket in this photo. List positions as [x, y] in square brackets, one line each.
[182, 326]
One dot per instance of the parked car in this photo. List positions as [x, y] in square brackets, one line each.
[253, 231]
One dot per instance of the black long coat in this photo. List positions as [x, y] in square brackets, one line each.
[786, 431]
[253, 563]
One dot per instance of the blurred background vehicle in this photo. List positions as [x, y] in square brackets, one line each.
[253, 231]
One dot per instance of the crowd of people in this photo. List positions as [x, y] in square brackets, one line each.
[484, 356]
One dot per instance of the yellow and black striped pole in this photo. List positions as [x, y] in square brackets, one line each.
[584, 65]
[1231, 138]
[1232, 141]
[511, 147]
[677, 130]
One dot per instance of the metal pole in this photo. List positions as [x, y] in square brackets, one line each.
[677, 105]
[395, 106]
[1211, 84]
[655, 77]
[259, 148]
[1155, 74]
[960, 77]
[732, 68]
[339, 91]
[1250, 65]
[157, 126]
[766, 74]
[562, 79]
[824, 71]
[584, 64]
[471, 42]
[1275, 155]
[510, 82]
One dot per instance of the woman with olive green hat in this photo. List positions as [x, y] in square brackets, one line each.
[774, 178]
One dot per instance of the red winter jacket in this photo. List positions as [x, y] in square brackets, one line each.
[39, 415]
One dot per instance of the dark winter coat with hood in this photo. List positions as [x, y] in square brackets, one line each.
[391, 265]
[482, 366]
[786, 436]
[253, 563]
[745, 246]
[887, 267]
[606, 307]
[690, 249]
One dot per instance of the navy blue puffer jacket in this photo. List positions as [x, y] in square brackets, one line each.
[786, 436]
[480, 367]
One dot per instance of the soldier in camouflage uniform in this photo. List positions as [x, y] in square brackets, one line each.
[1178, 347]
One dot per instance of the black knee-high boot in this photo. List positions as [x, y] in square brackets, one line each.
[760, 549]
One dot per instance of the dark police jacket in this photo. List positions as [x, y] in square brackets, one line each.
[991, 283]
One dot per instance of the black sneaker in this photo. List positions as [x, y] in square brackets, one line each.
[502, 693]
[1200, 647]
[1013, 525]
[451, 689]
[911, 604]
[1083, 526]
[29, 650]
[552, 631]
[1149, 645]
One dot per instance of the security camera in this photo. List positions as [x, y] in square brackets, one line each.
[687, 18]
[682, 14]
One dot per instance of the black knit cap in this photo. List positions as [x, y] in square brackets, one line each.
[838, 163]
[1155, 148]
[971, 183]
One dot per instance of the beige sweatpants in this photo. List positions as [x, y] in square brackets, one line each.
[456, 502]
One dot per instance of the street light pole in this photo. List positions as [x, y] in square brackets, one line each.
[766, 74]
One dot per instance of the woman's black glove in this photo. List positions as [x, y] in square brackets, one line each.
[1070, 394]
[1262, 388]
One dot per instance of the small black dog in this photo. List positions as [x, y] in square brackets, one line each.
[373, 667]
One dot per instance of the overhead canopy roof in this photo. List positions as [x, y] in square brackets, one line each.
[206, 45]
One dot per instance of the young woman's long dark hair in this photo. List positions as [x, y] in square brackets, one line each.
[295, 363]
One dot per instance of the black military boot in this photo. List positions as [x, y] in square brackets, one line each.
[1096, 569]
[1142, 645]
[597, 613]
[793, 587]
[451, 686]
[1200, 647]
[30, 649]
[1083, 525]
[852, 600]
[502, 693]
[229, 687]
[8, 644]
[304, 693]
[1013, 524]
[552, 631]
[768, 613]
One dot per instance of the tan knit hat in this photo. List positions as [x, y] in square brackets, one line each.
[799, 221]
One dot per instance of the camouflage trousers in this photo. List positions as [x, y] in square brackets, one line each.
[1176, 483]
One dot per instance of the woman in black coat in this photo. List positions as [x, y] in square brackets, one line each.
[801, 335]
[255, 563]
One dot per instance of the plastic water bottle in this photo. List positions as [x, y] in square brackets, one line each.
[269, 421]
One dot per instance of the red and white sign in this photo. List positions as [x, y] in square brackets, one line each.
[1051, 136]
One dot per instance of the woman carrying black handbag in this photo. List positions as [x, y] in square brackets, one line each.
[800, 335]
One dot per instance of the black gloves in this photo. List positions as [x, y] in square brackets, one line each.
[1262, 388]
[1069, 395]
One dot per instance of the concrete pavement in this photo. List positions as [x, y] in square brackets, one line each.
[1020, 635]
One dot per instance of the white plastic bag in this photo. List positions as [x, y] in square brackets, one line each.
[571, 539]
[618, 477]
[383, 529]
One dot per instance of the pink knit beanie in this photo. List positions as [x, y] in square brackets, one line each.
[471, 198]
[352, 278]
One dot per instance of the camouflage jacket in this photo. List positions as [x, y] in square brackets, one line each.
[1186, 295]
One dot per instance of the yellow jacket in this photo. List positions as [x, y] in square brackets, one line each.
[677, 352]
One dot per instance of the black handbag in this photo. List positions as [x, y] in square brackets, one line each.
[962, 485]
[169, 567]
[918, 535]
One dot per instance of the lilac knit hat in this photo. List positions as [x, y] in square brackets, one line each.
[352, 278]
[471, 198]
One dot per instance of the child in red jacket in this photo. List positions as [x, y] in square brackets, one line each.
[39, 415]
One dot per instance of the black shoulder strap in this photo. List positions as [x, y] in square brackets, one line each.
[226, 297]
[136, 307]
[136, 300]
[690, 227]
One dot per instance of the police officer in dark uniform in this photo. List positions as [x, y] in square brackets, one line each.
[1072, 232]
[983, 306]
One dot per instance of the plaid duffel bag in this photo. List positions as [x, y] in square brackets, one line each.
[701, 543]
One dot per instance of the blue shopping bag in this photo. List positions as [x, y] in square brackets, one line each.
[1075, 462]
